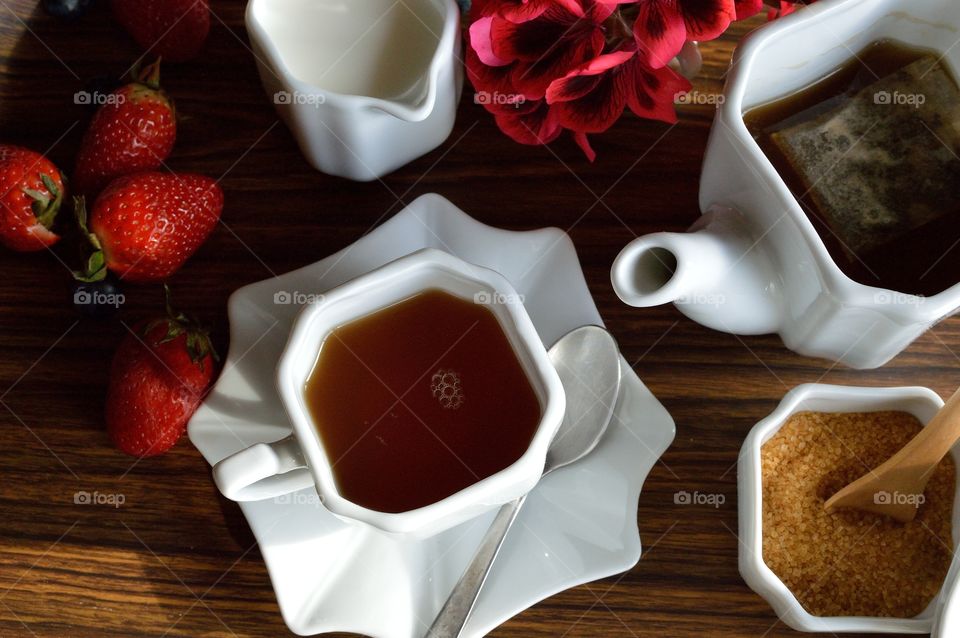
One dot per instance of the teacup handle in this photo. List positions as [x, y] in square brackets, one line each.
[262, 471]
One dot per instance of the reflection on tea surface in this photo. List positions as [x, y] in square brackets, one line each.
[417, 401]
[872, 154]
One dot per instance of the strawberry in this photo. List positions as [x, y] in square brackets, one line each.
[148, 224]
[174, 29]
[31, 190]
[158, 378]
[133, 131]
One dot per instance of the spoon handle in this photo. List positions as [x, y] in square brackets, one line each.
[456, 611]
[933, 442]
[907, 471]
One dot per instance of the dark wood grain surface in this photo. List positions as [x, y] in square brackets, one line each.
[176, 559]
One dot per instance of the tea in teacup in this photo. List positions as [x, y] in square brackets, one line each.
[871, 154]
[419, 400]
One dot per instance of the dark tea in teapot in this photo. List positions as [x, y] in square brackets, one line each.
[872, 154]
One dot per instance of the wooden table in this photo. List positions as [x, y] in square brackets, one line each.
[176, 559]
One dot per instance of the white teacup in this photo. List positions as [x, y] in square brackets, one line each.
[754, 263]
[269, 470]
[365, 86]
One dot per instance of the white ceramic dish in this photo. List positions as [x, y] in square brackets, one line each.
[365, 86]
[259, 471]
[579, 524]
[754, 263]
[920, 402]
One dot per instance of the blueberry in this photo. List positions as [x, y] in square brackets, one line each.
[66, 9]
[99, 299]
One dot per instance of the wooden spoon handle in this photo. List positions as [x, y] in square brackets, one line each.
[931, 444]
[907, 471]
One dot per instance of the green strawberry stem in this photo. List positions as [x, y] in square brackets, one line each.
[46, 205]
[179, 323]
[149, 75]
[145, 85]
[96, 267]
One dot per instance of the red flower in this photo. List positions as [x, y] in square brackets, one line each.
[525, 121]
[663, 26]
[492, 82]
[592, 97]
[539, 40]
[545, 66]
[535, 123]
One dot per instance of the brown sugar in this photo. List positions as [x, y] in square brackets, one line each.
[851, 563]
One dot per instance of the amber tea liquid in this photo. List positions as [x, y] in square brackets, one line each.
[419, 400]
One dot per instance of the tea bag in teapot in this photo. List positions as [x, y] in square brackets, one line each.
[886, 160]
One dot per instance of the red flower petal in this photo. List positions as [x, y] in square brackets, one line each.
[651, 93]
[580, 81]
[596, 110]
[531, 39]
[548, 48]
[571, 87]
[747, 8]
[481, 42]
[484, 8]
[584, 144]
[786, 8]
[707, 19]
[600, 10]
[530, 9]
[537, 126]
[591, 98]
[494, 90]
[662, 26]
[660, 32]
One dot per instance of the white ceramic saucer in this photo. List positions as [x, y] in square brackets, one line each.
[579, 524]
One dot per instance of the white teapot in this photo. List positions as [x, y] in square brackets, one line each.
[754, 263]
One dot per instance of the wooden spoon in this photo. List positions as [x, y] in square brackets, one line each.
[896, 488]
